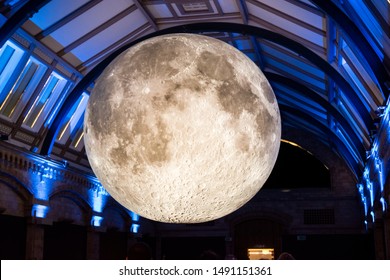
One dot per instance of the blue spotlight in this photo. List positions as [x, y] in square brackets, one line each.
[39, 211]
[96, 221]
[134, 228]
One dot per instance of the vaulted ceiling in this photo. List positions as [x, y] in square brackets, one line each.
[327, 61]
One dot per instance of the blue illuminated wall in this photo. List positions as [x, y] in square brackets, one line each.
[44, 184]
[372, 185]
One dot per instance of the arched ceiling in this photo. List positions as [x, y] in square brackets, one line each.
[327, 62]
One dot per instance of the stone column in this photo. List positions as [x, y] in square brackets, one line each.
[386, 232]
[35, 230]
[158, 255]
[93, 244]
[379, 238]
[34, 239]
[229, 247]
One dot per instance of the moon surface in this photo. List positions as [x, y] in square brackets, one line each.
[182, 128]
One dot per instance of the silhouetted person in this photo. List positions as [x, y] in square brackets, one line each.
[209, 255]
[230, 257]
[286, 256]
[139, 251]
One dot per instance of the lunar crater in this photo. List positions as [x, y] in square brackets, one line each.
[214, 66]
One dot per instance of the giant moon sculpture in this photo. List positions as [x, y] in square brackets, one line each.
[182, 128]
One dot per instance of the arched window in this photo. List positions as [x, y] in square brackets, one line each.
[297, 168]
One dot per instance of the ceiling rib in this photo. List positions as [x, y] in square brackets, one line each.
[13, 23]
[287, 17]
[45, 49]
[295, 67]
[286, 51]
[243, 10]
[291, 76]
[218, 6]
[361, 79]
[318, 49]
[258, 52]
[97, 30]
[146, 14]
[307, 92]
[172, 10]
[35, 93]
[341, 147]
[104, 53]
[331, 40]
[378, 16]
[306, 7]
[360, 42]
[67, 19]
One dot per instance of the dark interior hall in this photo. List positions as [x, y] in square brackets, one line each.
[328, 63]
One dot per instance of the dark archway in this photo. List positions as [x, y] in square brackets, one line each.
[300, 169]
[257, 233]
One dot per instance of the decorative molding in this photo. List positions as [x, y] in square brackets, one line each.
[11, 157]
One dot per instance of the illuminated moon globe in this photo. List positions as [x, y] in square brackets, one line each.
[182, 128]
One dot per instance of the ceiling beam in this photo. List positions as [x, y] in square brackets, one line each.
[218, 7]
[288, 17]
[361, 43]
[146, 14]
[107, 51]
[288, 34]
[18, 18]
[79, 11]
[97, 30]
[243, 10]
[257, 49]
[342, 149]
[312, 95]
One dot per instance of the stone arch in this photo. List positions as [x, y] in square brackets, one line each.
[310, 142]
[15, 197]
[68, 206]
[250, 212]
[300, 169]
[342, 178]
[256, 228]
[115, 217]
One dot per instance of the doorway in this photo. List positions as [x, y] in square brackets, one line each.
[255, 236]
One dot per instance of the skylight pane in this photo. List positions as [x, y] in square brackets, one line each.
[45, 101]
[13, 101]
[361, 93]
[14, 96]
[361, 77]
[360, 131]
[77, 142]
[5, 57]
[313, 81]
[72, 118]
[8, 63]
[347, 142]
[349, 112]
[370, 21]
